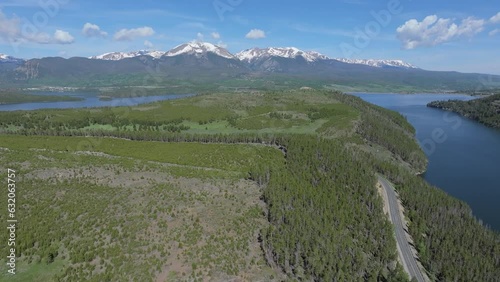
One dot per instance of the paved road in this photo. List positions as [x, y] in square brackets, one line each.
[404, 250]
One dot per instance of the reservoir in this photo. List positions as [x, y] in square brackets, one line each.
[89, 100]
[464, 161]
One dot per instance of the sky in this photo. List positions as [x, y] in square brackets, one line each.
[439, 35]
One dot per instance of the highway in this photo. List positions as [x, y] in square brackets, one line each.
[404, 249]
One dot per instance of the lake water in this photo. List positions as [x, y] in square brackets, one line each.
[90, 100]
[464, 156]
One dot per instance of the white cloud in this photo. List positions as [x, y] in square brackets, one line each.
[200, 36]
[131, 34]
[63, 37]
[9, 28]
[215, 35]
[148, 44]
[15, 31]
[495, 18]
[433, 31]
[255, 34]
[40, 37]
[494, 32]
[93, 30]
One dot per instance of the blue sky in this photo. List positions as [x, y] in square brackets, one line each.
[442, 35]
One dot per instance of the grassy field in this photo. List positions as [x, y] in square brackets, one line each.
[109, 209]
[229, 157]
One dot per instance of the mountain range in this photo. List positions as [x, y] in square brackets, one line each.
[250, 55]
[208, 64]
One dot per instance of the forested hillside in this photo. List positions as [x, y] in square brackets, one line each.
[324, 218]
[321, 209]
[485, 110]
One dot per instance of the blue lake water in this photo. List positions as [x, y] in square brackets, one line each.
[464, 155]
[90, 100]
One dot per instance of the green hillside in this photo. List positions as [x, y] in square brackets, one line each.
[484, 110]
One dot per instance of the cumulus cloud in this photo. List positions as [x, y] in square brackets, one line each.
[495, 18]
[16, 31]
[93, 30]
[433, 31]
[12, 30]
[131, 34]
[63, 37]
[200, 36]
[255, 34]
[215, 35]
[148, 44]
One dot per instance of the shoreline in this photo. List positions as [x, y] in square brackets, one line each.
[416, 93]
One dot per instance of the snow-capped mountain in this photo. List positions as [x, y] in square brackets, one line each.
[192, 48]
[378, 63]
[253, 54]
[9, 59]
[249, 56]
[115, 56]
[199, 49]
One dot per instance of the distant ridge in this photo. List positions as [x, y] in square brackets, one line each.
[378, 63]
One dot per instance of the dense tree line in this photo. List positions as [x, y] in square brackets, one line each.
[41, 120]
[484, 110]
[388, 129]
[326, 217]
[13, 97]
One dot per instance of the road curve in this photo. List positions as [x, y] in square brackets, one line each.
[404, 249]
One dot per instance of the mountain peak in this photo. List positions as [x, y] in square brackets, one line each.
[198, 49]
[253, 54]
[378, 63]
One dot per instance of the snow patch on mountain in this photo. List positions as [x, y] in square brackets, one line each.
[253, 54]
[115, 56]
[378, 63]
[9, 59]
